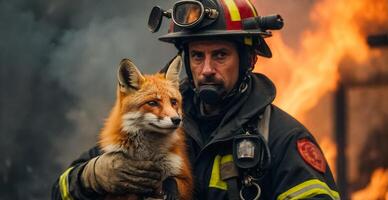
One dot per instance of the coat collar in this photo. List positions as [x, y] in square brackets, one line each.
[261, 92]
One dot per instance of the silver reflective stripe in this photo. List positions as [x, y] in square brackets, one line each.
[264, 122]
[309, 189]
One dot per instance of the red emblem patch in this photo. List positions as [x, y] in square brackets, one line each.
[311, 154]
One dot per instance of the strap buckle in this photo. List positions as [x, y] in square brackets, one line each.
[248, 182]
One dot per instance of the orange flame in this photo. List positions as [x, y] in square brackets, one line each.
[377, 188]
[330, 151]
[305, 74]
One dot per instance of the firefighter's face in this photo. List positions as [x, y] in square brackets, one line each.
[214, 62]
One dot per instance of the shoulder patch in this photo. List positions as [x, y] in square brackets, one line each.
[311, 154]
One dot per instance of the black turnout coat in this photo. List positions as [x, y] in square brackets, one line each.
[297, 170]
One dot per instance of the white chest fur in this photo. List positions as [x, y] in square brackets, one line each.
[154, 147]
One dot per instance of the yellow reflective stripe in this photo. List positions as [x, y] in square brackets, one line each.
[215, 179]
[226, 158]
[233, 10]
[308, 189]
[64, 185]
[317, 191]
[252, 8]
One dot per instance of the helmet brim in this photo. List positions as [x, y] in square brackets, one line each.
[182, 37]
[179, 36]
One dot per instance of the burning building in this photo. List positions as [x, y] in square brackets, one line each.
[332, 80]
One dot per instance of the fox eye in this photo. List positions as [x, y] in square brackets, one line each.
[153, 103]
[174, 102]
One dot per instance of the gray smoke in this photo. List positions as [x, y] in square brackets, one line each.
[57, 81]
[87, 61]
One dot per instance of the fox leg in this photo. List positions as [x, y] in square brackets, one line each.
[184, 179]
[185, 185]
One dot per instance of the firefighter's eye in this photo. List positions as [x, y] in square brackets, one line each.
[153, 103]
[197, 55]
[220, 55]
[174, 102]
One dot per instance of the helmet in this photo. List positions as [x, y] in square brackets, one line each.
[234, 19]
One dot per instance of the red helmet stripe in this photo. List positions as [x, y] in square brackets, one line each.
[228, 6]
[244, 8]
[235, 10]
[250, 4]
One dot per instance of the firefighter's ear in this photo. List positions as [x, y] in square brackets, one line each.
[129, 76]
[174, 69]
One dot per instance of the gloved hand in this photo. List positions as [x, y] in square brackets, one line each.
[115, 173]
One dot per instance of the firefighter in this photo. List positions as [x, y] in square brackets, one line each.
[241, 146]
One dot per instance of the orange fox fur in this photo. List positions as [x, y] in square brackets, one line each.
[141, 123]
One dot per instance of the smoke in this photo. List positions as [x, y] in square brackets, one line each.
[26, 129]
[87, 61]
[58, 61]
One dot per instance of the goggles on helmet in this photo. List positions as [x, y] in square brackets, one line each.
[188, 14]
[185, 14]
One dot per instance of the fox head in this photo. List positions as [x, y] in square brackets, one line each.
[149, 103]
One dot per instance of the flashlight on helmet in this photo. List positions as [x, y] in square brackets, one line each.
[270, 22]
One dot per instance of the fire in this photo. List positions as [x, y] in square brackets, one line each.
[330, 152]
[304, 74]
[377, 188]
[311, 71]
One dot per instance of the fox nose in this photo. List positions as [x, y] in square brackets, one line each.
[176, 120]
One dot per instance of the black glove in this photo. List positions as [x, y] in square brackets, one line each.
[170, 189]
[115, 173]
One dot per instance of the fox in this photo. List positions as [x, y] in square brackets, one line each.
[145, 123]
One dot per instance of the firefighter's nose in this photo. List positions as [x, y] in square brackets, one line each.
[207, 69]
[176, 120]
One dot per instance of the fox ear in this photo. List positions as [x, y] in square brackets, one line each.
[174, 69]
[129, 76]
